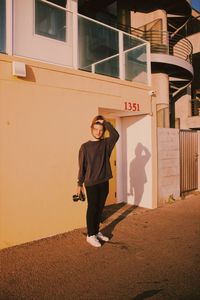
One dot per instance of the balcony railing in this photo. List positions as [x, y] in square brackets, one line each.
[164, 42]
[167, 43]
[109, 51]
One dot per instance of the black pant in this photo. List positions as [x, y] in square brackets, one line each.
[96, 197]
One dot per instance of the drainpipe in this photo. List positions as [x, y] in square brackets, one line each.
[172, 111]
[160, 83]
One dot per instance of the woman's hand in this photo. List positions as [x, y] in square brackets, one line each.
[80, 189]
[100, 121]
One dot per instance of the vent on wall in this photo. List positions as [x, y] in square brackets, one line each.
[18, 69]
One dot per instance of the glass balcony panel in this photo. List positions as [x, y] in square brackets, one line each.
[131, 41]
[109, 67]
[50, 21]
[136, 65]
[96, 42]
[3, 26]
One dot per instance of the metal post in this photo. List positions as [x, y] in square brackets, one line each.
[74, 9]
[121, 57]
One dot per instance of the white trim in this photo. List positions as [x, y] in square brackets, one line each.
[75, 40]
[121, 57]
[148, 47]
[9, 26]
[119, 164]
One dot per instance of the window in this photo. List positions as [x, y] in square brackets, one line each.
[2, 26]
[50, 21]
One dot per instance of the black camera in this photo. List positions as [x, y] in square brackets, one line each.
[80, 197]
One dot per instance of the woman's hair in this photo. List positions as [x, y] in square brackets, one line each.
[95, 121]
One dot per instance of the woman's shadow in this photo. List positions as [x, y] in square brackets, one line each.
[138, 178]
[137, 173]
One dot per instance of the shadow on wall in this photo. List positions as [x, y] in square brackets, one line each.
[137, 173]
[30, 76]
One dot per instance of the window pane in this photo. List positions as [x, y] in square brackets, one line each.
[50, 21]
[131, 41]
[110, 67]
[136, 65]
[96, 42]
[2, 26]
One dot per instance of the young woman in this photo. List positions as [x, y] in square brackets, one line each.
[94, 173]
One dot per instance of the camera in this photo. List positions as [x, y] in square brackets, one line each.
[80, 197]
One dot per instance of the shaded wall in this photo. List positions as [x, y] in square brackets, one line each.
[168, 164]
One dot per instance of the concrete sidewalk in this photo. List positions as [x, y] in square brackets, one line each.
[152, 254]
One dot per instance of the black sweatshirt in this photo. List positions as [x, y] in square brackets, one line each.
[94, 159]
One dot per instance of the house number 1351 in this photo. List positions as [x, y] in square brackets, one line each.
[131, 106]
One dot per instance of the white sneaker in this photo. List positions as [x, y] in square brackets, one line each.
[92, 240]
[102, 237]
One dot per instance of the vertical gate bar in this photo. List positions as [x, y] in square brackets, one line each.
[181, 167]
[186, 161]
[193, 160]
[180, 162]
[189, 161]
[185, 154]
[196, 161]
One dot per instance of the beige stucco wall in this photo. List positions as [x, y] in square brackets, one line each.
[43, 120]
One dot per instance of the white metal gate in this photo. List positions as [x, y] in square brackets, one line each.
[188, 161]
